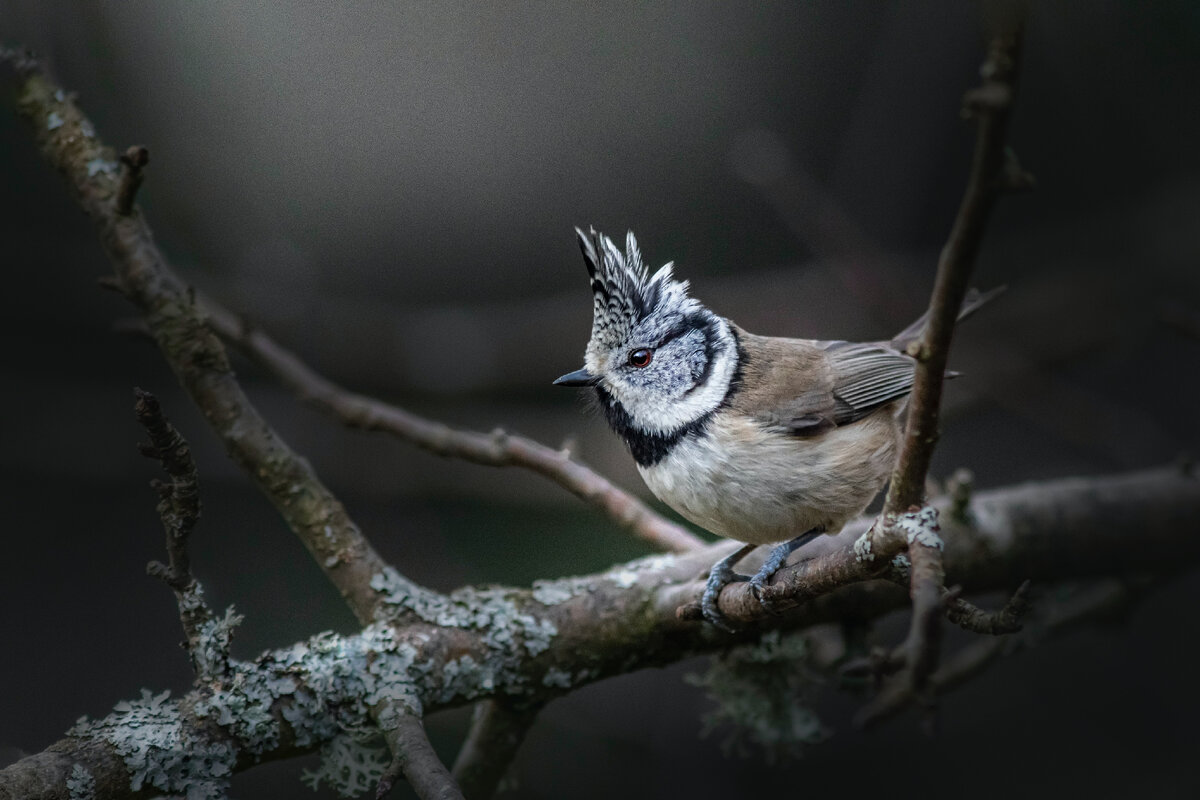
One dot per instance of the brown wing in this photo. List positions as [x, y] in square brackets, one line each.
[865, 377]
[807, 387]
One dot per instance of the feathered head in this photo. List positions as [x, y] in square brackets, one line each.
[659, 360]
[625, 296]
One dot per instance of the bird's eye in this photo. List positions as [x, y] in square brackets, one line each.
[640, 358]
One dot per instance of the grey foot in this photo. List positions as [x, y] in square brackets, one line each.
[774, 561]
[719, 577]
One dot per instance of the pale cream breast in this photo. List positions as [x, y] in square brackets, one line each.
[744, 481]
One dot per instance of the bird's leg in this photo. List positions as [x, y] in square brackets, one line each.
[775, 561]
[719, 576]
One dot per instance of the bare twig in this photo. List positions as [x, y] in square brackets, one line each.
[1089, 605]
[497, 730]
[179, 506]
[925, 633]
[207, 637]
[990, 104]
[133, 161]
[497, 449]
[67, 139]
[414, 757]
[1007, 620]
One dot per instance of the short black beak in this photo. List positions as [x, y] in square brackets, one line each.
[580, 377]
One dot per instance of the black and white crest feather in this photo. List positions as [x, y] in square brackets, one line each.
[624, 293]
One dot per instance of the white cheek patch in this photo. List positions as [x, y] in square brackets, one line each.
[653, 413]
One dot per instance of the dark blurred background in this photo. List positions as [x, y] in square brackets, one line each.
[390, 189]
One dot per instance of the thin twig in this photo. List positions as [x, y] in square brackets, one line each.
[992, 171]
[994, 623]
[179, 506]
[133, 161]
[497, 449]
[990, 104]
[67, 140]
[414, 758]
[1094, 603]
[497, 730]
[207, 637]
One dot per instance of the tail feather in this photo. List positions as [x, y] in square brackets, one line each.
[974, 301]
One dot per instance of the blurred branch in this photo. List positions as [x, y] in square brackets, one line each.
[994, 623]
[1091, 604]
[67, 140]
[497, 731]
[497, 449]
[133, 161]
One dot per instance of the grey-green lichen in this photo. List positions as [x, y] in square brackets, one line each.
[209, 648]
[556, 677]
[921, 527]
[321, 689]
[759, 690]
[81, 785]
[862, 547]
[98, 165]
[551, 593]
[160, 750]
[652, 568]
[351, 764]
[505, 627]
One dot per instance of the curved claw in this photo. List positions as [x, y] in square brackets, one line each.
[757, 584]
[774, 561]
[719, 577]
[718, 580]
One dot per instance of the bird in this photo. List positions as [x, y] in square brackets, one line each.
[766, 440]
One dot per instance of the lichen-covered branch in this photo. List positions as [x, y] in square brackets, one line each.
[495, 449]
[530, 644]
[68, 140]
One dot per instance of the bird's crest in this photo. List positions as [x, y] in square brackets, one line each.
[624, 292]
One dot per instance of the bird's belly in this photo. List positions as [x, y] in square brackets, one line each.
[761, 486]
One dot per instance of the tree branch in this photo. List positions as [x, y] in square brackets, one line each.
[133, 161]
[1089, 605]
[179, 507]
[67, 140]
[497, 730]
[497, 449]
[994, 623]
[526, 645]
[207, 637]
[990, 104]
[413, 757]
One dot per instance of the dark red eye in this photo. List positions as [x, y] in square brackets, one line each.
[641, 358]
